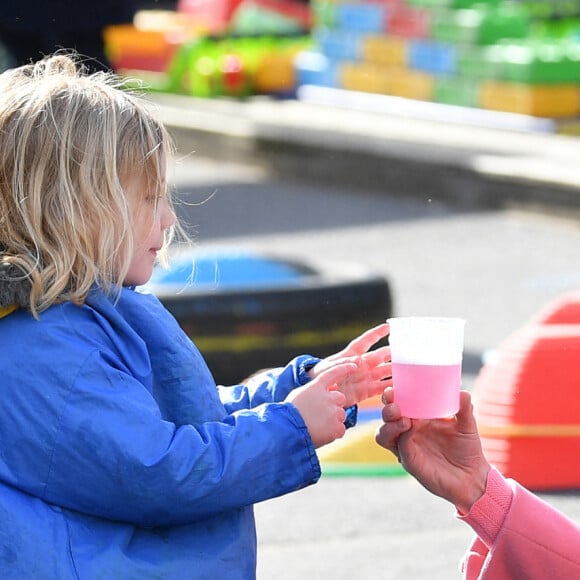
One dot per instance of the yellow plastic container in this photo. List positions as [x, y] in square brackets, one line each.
[373, 78]
[557, 101]
[411, 84]
[275, 73]
[363, 76]
[385, 50]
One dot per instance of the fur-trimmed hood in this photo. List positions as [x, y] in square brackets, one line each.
[14, 287]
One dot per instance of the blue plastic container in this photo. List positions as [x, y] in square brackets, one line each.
[369, 18]
[339, 44]
[439, 58]
[315, 68]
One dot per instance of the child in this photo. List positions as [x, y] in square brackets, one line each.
[119, 456]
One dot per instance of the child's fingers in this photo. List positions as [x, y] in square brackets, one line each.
[382, 371]
[377, 387]
[368, 338]
[335, 374]
[340, 431]
[338, 398]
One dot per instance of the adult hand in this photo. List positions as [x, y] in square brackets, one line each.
[444, 455]
[322, 405]
[373, 368]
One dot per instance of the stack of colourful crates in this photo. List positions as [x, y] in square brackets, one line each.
[515, 56]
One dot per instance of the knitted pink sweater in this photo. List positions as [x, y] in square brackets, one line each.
[519, 536]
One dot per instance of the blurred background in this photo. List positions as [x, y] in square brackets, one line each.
[340, 162]
[519, 56]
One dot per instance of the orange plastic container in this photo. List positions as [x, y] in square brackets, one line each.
[130, 47]
[527, 400]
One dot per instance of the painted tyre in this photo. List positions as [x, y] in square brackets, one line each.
[248, 311]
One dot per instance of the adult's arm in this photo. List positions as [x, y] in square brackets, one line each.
[519, 536]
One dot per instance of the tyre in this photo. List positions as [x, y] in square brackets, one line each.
[247, 311]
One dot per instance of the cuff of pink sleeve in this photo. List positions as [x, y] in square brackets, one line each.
[488, 513]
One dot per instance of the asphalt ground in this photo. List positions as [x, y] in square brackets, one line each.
[379, 527]
[469, 157]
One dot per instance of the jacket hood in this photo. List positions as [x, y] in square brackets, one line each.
[14, 287]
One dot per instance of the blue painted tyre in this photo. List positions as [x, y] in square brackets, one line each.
[248, 311]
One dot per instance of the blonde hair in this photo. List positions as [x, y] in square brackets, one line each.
[68, 143]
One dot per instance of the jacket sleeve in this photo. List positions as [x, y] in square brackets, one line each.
[518, 531]
[116, 458]
[269, 386]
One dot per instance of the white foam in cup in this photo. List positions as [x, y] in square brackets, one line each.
[426, 353]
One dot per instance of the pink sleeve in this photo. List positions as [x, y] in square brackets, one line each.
[518, 533]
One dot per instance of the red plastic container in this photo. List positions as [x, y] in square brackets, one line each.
[564, 310]
[409, 22]
[214, 15]
[527, 400]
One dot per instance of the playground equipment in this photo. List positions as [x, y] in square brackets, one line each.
[214, 48]
[527, 399]
[247, 311]
[516, 57]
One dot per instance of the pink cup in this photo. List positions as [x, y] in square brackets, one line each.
[427, 353]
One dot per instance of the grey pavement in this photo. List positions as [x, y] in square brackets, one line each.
[472, 158]
[359, 528]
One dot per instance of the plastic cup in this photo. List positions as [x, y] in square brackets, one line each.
[426, 354]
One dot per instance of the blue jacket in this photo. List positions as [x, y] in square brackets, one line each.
[121, 459]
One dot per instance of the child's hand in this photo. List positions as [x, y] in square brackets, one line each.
[321, 404]
[373, 369]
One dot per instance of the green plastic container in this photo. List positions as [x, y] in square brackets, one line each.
[474, 3]
[457, 26]
[542, 61]
[505, 21]
[179, 69]
[252, 20]
[544, 9]
[456, 91]
[480, 62]
[214, 67]
[205, 68]
[323, 13]
[430, 3]
[558, 28]
[480, 25]
[455, 4]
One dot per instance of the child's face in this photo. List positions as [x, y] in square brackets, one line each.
[152, 216]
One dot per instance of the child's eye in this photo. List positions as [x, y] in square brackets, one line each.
[154, 199]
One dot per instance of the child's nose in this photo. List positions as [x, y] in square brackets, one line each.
[167, 216]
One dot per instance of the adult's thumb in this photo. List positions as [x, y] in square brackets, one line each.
[465, 418]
